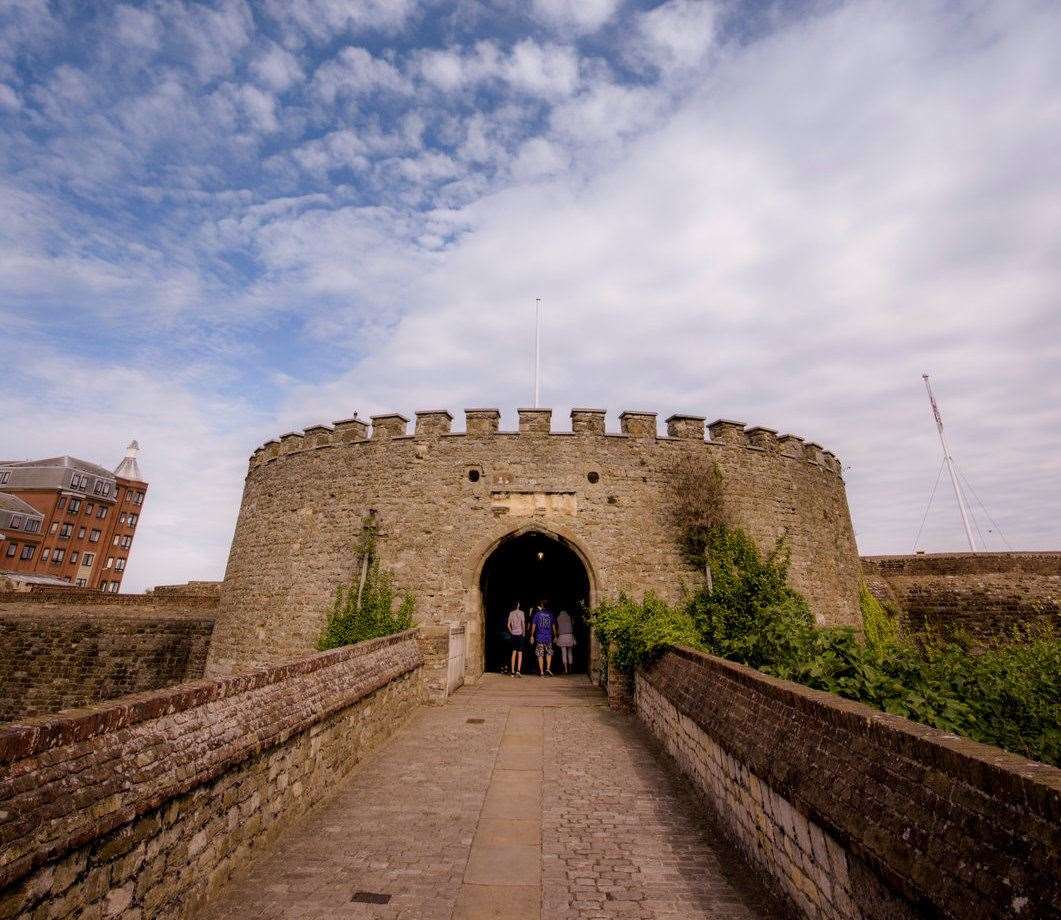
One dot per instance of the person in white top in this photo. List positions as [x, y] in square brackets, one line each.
[565, 638]
[517, 629]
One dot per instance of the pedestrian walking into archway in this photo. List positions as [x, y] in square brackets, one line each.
[517, 630]
[565, 639]
[543, 629]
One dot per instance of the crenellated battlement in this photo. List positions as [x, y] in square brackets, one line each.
[482, 423]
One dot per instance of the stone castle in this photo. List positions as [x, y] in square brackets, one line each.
[455, 508]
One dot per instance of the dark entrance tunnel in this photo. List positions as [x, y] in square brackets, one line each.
[529, 568]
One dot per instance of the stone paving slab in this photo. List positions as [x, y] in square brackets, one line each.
[551, 807]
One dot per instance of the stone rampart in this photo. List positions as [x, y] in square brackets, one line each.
[144, 806]
[443, 500]
[59, 650]
[856, 814]
[984, 595]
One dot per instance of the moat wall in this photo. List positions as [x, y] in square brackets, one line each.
[142, 807]
[984, 595]
[443, 500]
[60, 649]
[856, 814]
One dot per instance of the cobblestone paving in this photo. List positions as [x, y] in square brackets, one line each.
[551, 807]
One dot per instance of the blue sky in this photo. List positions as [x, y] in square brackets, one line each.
[226, 220]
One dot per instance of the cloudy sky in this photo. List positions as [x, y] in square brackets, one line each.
[220, 221]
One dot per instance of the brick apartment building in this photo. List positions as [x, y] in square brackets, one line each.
[70, 519]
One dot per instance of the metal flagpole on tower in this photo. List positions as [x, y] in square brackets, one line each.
[537, 349]
[958, 494]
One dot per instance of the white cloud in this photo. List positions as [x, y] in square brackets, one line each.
[277, 68]
[529, 67]
[677, 33]
[9, 99]
[322, 20]
[580, 15]
[354, 71]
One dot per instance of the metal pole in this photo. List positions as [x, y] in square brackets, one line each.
[950, 467]
[537, 349]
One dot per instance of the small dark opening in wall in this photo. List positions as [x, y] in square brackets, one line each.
[473, 475]
[476, 721]
[593, 476]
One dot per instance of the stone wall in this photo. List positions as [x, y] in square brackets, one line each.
[143, 807]
[444, 500]
[985, 595]
[852, 812]
[60, 650]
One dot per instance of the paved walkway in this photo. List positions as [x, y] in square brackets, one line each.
[520, 798]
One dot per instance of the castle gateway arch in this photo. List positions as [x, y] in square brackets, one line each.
[529, 565]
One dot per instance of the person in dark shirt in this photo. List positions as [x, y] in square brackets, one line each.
[543, 629]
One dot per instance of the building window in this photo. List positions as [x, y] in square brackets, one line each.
[5, 476]
[119, 565]
[12, 548]
[45, 553]
[99, 486]
[27, 551]
[114, 542]
[73, 556]
[55, 527]
[121, 518]
[127, 541]
[79, 481]
[102, 512]
[61, 503]
[133, 518]
[110, 562]
[80, 583]
[32, 525]
[87, 558]
[80, 533]
[75, 505]
[16, 522]
[58, 555]
[65, 531]
[114, 587]
[89, 508]
[94, 536]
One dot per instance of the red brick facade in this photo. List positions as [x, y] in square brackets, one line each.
[85, 538]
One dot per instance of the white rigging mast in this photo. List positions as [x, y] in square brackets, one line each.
[958, 494]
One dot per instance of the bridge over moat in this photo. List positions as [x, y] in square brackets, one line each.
[520, 798]
[288, 791]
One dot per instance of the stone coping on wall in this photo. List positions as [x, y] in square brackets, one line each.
[63, 597]
[1029, 562]
[68, 778]
[482, 423]
[910, 800]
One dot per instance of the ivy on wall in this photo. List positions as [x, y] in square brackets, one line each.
[365, 609]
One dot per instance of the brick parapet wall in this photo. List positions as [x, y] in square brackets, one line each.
[54, 658]
[984, 595]
[91, 599]
[853, 812]
[1026, 563]
[149, 802]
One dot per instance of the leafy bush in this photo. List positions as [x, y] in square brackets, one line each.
[1009, 695]
[366, 610]
[640, 630]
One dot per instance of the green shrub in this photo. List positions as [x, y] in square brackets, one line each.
[366, 611]
[1008, 695]
[641, 630]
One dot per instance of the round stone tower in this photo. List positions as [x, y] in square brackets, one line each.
[471, 521]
